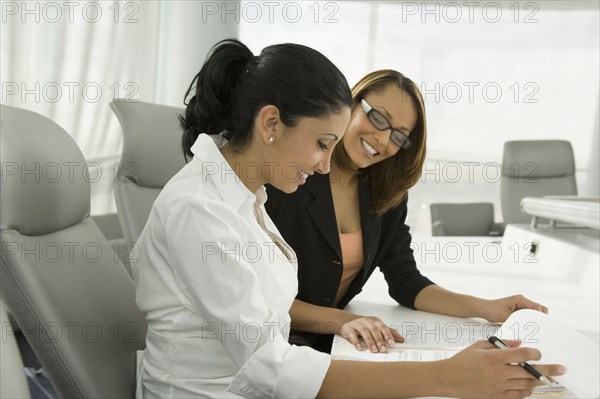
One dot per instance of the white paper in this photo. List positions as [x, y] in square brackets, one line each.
[455, 335]
[395, 354]
[558, 344]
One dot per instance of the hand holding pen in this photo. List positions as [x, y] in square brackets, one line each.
[500, 344]
[481, 368]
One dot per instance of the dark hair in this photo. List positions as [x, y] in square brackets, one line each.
[391, 178]
[233, 85]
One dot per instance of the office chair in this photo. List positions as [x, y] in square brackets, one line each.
[151, 156]
[71, 297]
[12, 373]
[534, 169]
[470, 219]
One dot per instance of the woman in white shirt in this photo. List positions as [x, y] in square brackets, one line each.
[214, 275]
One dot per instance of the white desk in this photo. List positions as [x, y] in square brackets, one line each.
[575, 210]
[484, 267]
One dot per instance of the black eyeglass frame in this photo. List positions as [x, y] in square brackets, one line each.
[401, 141]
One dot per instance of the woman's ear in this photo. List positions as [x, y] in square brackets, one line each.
[269, 123]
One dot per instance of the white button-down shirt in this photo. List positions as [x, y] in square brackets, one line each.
[217, 292]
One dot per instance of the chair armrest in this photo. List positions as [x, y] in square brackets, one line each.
[497, 229]
[438, 229]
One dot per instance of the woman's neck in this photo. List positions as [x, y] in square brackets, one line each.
[239, 162]
[344, 179]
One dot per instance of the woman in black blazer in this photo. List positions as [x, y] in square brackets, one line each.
[379, 158]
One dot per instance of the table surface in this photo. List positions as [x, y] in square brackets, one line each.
[484, 267]
[422, 322]
[566, 283]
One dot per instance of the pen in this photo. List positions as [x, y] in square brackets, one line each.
[500, 344]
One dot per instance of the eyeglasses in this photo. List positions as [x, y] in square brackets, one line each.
[381, 123]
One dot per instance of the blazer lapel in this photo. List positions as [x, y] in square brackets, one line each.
[321, 210]
[371, 226]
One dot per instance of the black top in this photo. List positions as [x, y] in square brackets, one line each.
[306, 220]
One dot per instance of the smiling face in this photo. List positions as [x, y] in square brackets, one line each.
[299, 152]
[364, 143]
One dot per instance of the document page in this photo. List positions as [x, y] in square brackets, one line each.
[560, 344]
[446, 335]
[395, 354]
[426, 341]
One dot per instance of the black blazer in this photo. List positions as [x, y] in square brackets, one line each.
[306, 220]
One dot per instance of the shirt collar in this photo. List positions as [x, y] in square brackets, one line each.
[232, 189]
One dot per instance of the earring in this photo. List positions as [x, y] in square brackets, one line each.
[271, 140]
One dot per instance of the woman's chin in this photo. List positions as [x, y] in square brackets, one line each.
[287, 188]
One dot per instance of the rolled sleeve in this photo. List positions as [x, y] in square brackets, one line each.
[276, 369]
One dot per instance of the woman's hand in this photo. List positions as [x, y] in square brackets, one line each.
[377, 336]
[483, 368]
[498, 310]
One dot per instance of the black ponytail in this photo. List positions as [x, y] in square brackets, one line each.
[233, 85]
[209, 110]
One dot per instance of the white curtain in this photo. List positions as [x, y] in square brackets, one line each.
[67, 60]
[67, 63]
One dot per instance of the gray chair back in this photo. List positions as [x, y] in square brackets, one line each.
[64, 285]
[151, 156]
[534, 168]
[463, 219]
